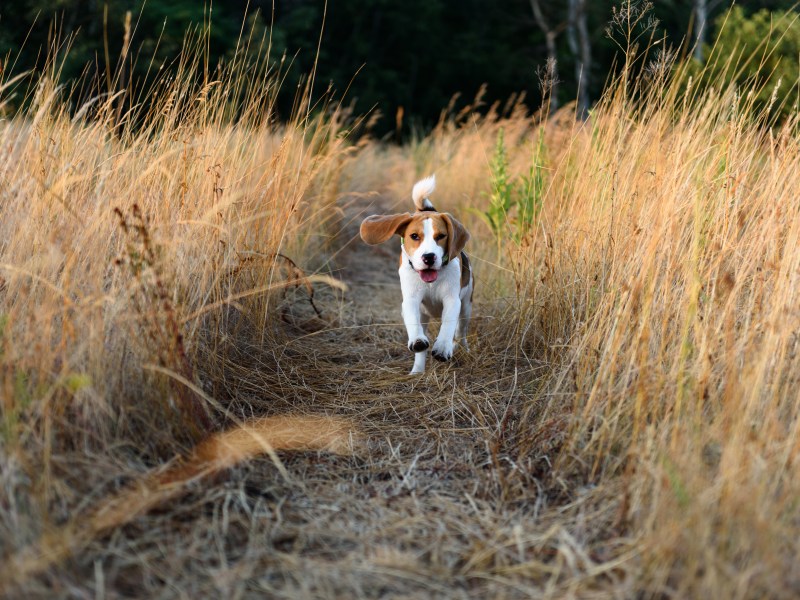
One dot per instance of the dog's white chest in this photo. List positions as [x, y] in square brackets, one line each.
[431, 295]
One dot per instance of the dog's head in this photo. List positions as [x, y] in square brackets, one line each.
[429, 239]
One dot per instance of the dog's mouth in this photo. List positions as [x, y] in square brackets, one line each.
[428, 275]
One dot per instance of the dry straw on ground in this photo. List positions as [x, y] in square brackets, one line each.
[220, 451]
[625, 425]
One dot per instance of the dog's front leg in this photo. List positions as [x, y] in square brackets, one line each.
[443, 347]
[413, 293]
[417, 340]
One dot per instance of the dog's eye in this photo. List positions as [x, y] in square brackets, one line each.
[440, 236]
[414, 237]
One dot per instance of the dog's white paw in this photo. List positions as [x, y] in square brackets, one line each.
[419, 345]
[442, 349]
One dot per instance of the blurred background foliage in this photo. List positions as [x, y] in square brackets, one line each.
[403, 62]
[766, 46]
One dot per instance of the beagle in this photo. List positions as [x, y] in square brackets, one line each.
[434, 272]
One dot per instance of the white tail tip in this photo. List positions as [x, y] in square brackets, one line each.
[423, 189]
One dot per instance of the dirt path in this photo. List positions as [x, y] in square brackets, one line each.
[423, 511]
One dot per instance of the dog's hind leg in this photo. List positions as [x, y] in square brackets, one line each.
[463, 322]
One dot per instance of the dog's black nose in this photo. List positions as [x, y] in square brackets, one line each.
[429, 258]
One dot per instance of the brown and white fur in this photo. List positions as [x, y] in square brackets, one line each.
[435, 273]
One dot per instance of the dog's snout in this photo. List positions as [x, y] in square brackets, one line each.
[429, 258]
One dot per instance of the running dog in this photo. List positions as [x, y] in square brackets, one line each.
[435, 273]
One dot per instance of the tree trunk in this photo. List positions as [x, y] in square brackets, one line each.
[551, 78]
[579, 44]
[700, 18]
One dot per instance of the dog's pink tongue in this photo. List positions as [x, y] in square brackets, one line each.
[428, 275]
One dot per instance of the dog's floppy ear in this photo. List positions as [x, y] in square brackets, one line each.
[379, 228]
[457, 236]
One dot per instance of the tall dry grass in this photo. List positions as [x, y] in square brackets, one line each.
[662, 281]
[139, 235]
[685, 377]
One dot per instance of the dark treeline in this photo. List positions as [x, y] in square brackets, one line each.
[414, 55]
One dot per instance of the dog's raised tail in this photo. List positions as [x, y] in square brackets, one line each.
[423, 189]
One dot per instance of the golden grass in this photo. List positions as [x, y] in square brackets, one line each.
[128, 239]
[625, 425]
[666, 273]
